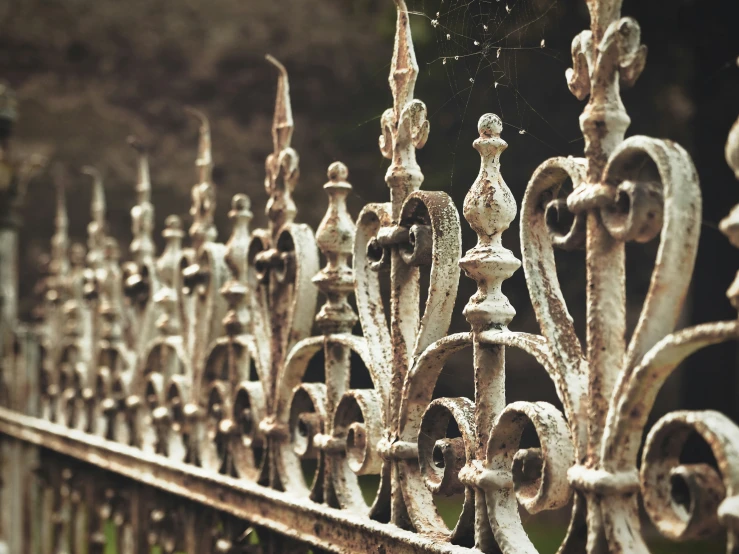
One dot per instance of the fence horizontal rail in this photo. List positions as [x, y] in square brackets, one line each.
[328, 528]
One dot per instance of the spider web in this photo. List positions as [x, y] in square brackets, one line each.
[481, 45]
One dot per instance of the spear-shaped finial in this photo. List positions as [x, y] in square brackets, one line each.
[404, 126]
[142, 214]
[205, 158]
[143, 184]
[96, 228]
[282, 122]
[203, 193]
[282, 164]
[404, 67]
[60, 241]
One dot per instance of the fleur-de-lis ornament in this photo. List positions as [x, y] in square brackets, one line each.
[282, 164]
[104, 383]
[115, 360]
[713, 492]
[229, 356]
[203, 192]
[87, 320]
[328, 440]
[59, 292]
[415, 231]
[202, 308]
[624, 190]
[282, 260]
[270, 301]
[207, 272]
[140, 275]
[166, 355]
[60, 242]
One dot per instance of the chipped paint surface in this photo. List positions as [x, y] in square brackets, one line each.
[169, 395]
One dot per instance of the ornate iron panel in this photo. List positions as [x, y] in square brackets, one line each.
[164, 403]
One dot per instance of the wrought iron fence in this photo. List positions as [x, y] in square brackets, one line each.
[163, 403]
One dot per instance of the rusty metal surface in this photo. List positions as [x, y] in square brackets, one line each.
[329, 528]
[174, 389]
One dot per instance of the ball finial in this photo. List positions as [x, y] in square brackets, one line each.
[173, 222]
[490, 125]
[337, 171]
[240, 203]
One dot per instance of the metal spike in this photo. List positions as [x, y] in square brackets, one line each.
[96, 228]
[404, 67]
[142, 214]
[97, 206]
[205, 158]
[60, 241]
[282, 124]
[143, 185]
[203, 194]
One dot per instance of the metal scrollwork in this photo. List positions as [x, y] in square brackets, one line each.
[207, 377]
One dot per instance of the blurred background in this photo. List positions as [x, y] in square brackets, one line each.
[89, 73]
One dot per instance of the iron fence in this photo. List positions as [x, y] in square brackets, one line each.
[163, 403]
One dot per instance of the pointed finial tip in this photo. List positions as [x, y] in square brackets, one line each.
[92, 171]
[137, 144]
[274, 61]
[337, 171]
[205, 159]
[490, 125]
[282, 122]
[199, 115]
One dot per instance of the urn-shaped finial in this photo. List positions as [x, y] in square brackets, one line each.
[335, 237]
[489, 207]
[168, 270]
[237, 259]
